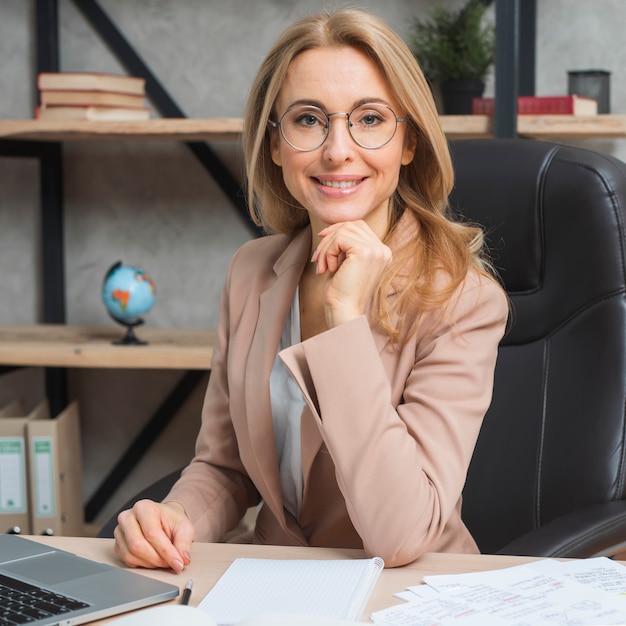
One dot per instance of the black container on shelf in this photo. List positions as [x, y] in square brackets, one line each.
[456, 96]
[594, 84]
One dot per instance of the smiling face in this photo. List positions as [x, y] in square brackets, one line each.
[340, 181]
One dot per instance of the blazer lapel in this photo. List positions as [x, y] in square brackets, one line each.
[274, 304]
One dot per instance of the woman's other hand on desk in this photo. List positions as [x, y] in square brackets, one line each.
[154, 535]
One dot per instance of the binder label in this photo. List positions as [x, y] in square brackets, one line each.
[12, 475]
[43, 470]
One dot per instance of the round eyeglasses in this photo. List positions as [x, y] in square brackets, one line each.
[306, 127]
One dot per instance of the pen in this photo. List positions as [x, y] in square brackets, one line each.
[187, 592]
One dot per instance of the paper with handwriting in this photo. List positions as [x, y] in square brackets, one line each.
[543, 593]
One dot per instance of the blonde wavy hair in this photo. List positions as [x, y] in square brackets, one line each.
[440, 243]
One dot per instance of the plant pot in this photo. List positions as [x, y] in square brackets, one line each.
[456, 96]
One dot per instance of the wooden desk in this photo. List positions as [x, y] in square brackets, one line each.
[210, 560]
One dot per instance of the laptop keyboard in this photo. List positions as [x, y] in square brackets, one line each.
[22, 603]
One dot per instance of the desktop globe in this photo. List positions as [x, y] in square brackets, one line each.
[128, 292]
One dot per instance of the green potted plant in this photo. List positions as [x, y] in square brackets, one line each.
[455, 48]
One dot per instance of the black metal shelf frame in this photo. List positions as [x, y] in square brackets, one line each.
[515, 61]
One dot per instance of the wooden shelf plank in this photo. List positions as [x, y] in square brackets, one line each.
[212, 129]
[59, 345]
[539, 126]
[467, 126]
[229, 129]
[572, 126]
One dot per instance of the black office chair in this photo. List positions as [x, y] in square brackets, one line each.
[548, 476]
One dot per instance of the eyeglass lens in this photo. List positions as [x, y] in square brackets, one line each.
[370, 125]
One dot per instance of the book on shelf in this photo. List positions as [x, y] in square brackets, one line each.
[40, 470]
[91, 96]
[55, 471]
[92, 113]
[542, 105]
[14, 486]
[91, 81]
[78, 97]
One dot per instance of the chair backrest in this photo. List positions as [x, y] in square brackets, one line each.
[553, 440]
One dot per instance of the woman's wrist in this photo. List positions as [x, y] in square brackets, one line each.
[177, 506]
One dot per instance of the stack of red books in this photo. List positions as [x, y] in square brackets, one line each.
[542, 105]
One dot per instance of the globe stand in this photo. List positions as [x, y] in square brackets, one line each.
[129, 339]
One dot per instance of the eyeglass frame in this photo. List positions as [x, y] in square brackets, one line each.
[278, 124]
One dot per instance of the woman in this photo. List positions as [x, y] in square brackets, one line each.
[356, 344]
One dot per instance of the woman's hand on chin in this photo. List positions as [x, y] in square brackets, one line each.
[352, 259]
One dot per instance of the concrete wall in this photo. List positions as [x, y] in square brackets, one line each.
[153, 205]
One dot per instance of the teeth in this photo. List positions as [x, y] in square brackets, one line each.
[340, 184]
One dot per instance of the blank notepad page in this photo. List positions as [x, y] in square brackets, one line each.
[335, 588]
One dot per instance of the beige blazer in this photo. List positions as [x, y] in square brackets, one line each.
[387, 434]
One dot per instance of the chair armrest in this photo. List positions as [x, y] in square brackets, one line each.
[599, 530]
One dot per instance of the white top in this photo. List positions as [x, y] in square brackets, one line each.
[287, 406]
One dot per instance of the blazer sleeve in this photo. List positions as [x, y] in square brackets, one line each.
[401, 426]
[214, 488]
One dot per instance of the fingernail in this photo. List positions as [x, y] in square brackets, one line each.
[177, 565]
[187, 555]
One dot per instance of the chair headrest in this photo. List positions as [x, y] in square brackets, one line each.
[499, 185]
[553, 223]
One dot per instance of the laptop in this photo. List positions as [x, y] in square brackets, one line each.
[55, 587]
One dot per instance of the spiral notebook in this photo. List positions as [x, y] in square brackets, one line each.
[337, 589]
